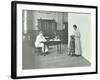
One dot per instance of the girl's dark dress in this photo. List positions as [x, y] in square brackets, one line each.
[72, 45]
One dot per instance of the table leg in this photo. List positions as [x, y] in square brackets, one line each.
[44, 47]
[60, 47]
[57, 48]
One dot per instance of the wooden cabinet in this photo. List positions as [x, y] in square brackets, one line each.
[47, 26]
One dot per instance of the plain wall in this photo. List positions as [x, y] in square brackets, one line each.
[83, 22]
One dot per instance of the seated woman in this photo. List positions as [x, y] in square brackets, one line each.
[40, 38]
[72, 46]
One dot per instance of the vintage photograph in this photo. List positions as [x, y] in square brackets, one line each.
[55, 39]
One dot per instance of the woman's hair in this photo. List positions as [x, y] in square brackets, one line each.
[40, 32]
[75, 26]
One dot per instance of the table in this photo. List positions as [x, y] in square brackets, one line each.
[58, 43]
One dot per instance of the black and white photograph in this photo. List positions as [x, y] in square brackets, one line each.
[54, 40]
[49, 43]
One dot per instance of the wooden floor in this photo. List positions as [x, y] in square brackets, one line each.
[31, 59]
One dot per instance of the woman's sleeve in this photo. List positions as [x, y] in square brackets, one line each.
[77, 34]
[43, 38]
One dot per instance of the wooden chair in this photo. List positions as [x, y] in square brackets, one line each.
[38, 50]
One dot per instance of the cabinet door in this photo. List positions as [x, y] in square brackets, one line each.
[47, 26]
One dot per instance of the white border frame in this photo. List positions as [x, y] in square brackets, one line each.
[36, 72]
